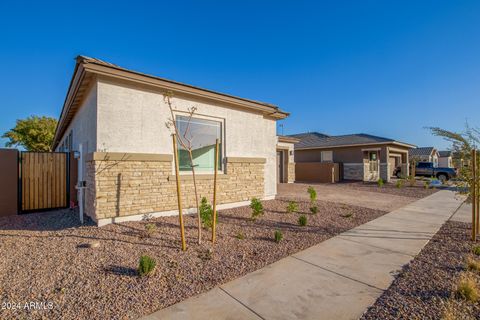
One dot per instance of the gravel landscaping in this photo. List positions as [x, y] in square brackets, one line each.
[425, 289]
[417, 191]
[86, 272]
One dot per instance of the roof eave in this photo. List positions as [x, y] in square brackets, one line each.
[406, 145]
[169, 85]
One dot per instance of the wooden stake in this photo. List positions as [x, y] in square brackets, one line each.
[214, 224]
[179, 197]
[473, 194]
[477, 194]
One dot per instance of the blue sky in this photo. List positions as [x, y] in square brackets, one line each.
[387, 68]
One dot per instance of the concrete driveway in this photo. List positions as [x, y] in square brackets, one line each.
[340, 193]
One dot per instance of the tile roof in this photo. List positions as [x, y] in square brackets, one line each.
[320, 140]
[421, 151]
[86, 59]
[445, 153]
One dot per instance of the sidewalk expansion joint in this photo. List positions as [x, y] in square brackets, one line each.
[339, 274]
[243, 304]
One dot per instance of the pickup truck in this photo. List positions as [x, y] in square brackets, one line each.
[427, 169]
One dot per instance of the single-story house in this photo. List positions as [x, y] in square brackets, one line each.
[362, 156]
[285, 159]
[424, 154]
[116, 118]
[445, 159]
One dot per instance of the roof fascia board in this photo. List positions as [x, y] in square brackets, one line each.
[79, 74]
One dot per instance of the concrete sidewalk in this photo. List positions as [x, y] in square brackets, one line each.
[336, 279]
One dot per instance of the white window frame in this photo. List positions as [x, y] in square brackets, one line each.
[325, 158]
[223, 144]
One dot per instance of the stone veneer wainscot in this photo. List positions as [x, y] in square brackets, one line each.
[125, 184]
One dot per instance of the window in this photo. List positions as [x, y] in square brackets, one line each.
[203, 134]
[424, 165]
[326, 156]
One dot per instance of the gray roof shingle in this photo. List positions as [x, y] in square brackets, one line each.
[320, 140]
[421, 151]
[445, 153]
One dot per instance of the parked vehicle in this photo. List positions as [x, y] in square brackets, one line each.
[427, 169]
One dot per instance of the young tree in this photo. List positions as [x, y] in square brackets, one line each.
[462, 145]
[186, 142]
[33, 133]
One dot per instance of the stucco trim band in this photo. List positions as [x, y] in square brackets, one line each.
[198, 176]
[126, 156]
[246, 160]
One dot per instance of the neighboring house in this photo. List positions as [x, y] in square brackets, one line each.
[116, 119]
[424, 154]
[445, 159]
[285, 159]
[362, 156]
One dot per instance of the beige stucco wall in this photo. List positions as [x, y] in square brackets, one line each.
[132, 119]
[84, 124]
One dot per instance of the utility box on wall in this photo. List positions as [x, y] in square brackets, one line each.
[8, 182]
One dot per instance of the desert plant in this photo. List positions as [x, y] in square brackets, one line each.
[476, 250]
[399, 183]
[380, 182]
[313, 194]
[150, 229]
[448, 312]
[314, 209]
[278, 236]
[412, 181]
[467, 288]
[473, 264]
[240, 236]
[302, 220]
[257, 208]
[292, 207]
[146, 265]
[206, 213]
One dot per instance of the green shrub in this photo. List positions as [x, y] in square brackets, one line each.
[380, 182]
[476, 250]
[473, 265]
[467, 289]
[426, 185]
[399, 183]
[146, 265]
[412, 181]
[302, 220]
[292, 207]
[150, 229]
[206, 213]
[313, 209]
[313, 194]
[240, 236]
[278, 236]
[257, 208]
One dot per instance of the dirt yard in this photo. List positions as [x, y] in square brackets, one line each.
[367, 195]
[46, 258]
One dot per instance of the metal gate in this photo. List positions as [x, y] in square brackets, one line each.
[44, 180]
